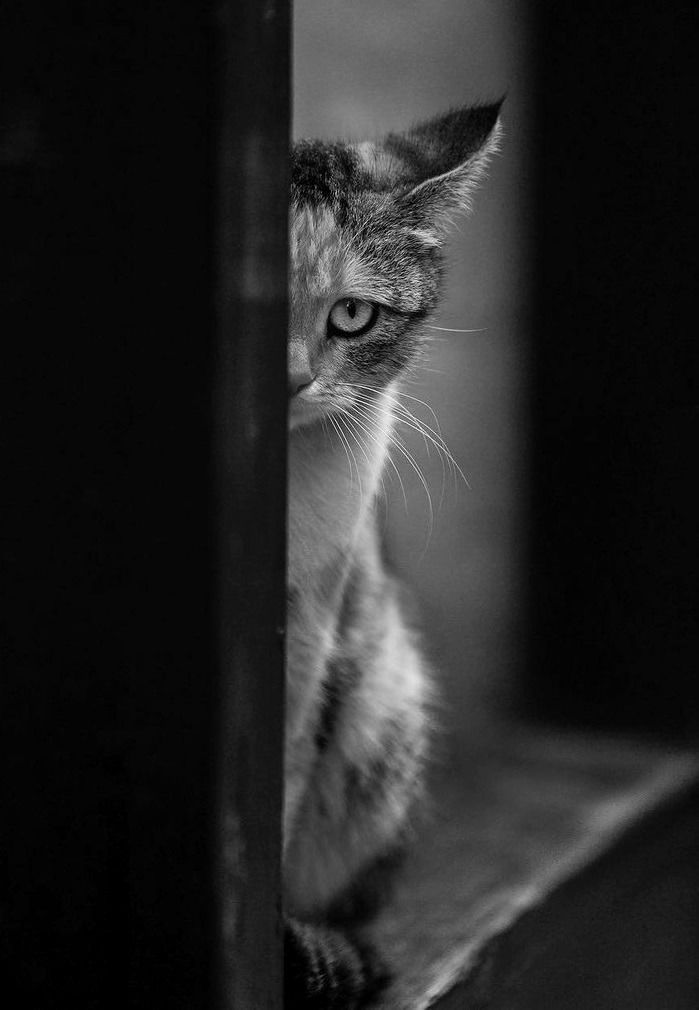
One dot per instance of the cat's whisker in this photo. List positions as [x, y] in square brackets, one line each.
[354, 458]
[324, 426]
[355, 422]
[394, 404]
[428, 433]
[334, 425]
[352, 430]
[427, 438]
[371, 419]
[400, 393]
[399, 445]
[434, 435]
[390, 459]
[436, 439]
[395, 440]
[351, 423]
[374, 438]
[451, 329]
[423, 403]
[348, 452]
[408, 419]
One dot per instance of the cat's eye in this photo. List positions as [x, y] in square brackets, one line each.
[351, 317]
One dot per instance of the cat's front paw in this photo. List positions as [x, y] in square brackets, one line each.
[325, 969]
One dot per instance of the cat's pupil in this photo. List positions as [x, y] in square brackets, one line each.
[351, 308]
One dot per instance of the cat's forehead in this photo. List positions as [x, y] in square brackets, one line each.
[325, 174]
[325, 260]
[346, 237]
[365, 257]
[314, 237]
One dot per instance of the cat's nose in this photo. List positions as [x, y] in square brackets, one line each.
[299, 381]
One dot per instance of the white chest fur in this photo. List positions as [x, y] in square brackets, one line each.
[333, 479]
[332, 486]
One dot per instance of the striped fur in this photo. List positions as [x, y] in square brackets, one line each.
[368, 223]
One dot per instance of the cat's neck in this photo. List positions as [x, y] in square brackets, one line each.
[335, 472]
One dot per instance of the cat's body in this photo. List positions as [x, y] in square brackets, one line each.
[367, 224]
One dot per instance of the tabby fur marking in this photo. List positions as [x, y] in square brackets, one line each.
[367, 228]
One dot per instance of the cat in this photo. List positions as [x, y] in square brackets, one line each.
[367, 225]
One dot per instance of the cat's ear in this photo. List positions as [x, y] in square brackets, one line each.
[436, 167]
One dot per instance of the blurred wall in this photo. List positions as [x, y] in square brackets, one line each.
[360, 69]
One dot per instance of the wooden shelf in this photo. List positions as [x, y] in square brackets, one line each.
[555, 871]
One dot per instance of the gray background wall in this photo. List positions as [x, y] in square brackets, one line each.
[362, 68]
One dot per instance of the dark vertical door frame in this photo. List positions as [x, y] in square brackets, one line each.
[251, 472]
[143, 149]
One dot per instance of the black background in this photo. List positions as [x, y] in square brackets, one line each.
[615, 404]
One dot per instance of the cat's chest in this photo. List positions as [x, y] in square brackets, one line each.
[333, 479]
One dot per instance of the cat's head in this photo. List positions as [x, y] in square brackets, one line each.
[368, 222]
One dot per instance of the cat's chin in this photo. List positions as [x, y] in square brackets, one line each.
[302, 414]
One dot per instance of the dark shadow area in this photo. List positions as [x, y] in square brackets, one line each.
[123, 320]
[614, 404]
[106, 429]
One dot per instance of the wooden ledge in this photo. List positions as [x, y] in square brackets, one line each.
[556, 872]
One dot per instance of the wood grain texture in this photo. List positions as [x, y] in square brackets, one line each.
[554, 872]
